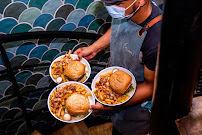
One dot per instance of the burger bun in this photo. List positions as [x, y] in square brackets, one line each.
[119, 81]
[77, 104]
[74, 70]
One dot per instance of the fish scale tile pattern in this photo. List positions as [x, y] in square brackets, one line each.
[18, 16]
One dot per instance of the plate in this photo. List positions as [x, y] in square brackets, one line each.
[91, 100]
[74, 56]
[106, 70]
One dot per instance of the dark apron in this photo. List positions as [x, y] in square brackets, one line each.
[125, 45]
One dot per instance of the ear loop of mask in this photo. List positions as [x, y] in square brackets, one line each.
[130, 5]
[128, 16]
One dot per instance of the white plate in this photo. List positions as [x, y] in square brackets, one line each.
[91, 99]
[74, 56]
[106, 70]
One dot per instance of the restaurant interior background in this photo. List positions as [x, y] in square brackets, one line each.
[34, 83]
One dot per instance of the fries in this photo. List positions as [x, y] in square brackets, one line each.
[105, 94]
[58, 98]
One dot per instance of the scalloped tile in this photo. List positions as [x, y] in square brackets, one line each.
[30, 103]
[83, 4]
[43, 70]
[37, 3]
[69, 45]
[4, 85]
[18, 60]
[10, 114]
[29, 62]
[3, 4]
[40, 104]
[64, 11]
[17, 7]
[51, 6]
[68, 27]
[45, 95]
[49, 55]
[29, 15]
[23, 27]
[73, 2]
[7, 24]
[75, 16]
[15, 125]
[3, 110]
[24, 1]
[2, 68]
[22, 76]
[81, 29]
[25, 48]
[55, 25]
[58, 43]
[104, 28]
[95, 7]
[45, 41]
[38, 51]
[10, 45]
[27, 89]
[60, 54]
[33, 79]
[103, 13]
[95, 25]
[36, 94]
[23, 129]
[42, 20]
[109, 18]
[44, 82]
[86, 20]
[79, 46]
[36, 29]
[9, 55]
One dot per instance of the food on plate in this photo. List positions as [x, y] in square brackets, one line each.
[75, 70]
[68, 69]
[120, 81]
[77, 104]
[65, 100]
[105, 93]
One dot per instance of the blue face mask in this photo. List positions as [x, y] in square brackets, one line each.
[119, 12]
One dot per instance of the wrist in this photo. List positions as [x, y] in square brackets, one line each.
[95, 48]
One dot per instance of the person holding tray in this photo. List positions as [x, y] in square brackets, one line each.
[133, 39]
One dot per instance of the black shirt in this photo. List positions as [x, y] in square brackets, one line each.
[150, 45]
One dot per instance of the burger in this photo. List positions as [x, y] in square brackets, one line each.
[120, 82]
[75, 71]
[77, 104]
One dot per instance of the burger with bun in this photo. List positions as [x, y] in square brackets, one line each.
[120, 81]
[75, 71]
[77, 104]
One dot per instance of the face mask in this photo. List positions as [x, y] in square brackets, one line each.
[119, 12]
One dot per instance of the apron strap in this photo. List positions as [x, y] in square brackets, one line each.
[149, 24]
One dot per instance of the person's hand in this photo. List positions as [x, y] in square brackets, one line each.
[86, 52]
[99, 107]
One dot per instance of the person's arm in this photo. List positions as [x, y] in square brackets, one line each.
[90, 51]
[144, 91]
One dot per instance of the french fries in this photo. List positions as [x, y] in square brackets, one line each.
[58, 98]
[105, 94]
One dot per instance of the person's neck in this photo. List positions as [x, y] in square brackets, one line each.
[142, 14]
